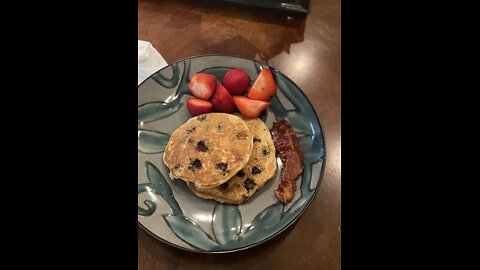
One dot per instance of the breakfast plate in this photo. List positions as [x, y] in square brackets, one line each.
[170, 211]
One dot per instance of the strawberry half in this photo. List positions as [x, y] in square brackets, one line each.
[222, 101]
[250, 108]
[197, 106]
[236, 81]
[202, 85]
[264, 86]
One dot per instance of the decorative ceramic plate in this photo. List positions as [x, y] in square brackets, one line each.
[170, 211]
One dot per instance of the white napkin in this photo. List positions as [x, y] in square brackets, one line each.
[149, 60]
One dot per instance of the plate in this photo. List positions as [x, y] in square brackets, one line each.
[169, 210]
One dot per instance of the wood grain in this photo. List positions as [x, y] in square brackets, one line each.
[305, 49]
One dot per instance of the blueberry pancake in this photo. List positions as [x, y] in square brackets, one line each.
[260, 169]
[208, 149]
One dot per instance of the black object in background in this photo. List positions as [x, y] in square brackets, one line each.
[299, 7]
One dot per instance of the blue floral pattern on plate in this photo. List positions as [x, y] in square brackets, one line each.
[169, 211]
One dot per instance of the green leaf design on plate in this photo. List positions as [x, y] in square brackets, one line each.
[277, 108]
[226, 223]
[151, 207]
[165, 82]
[314, 150]
[159, 186]
[187, 230]
[156, 110]
[300, 204]
[264, 221]
[152, 142]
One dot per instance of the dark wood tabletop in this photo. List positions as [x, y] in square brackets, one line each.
[305, 49]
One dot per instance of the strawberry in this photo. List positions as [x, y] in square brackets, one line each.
[236, 81]
[197, 106]
[222, 100]
[202, 85]
[250, 108]
[264, 86]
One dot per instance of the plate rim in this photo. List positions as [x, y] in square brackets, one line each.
[320, 177]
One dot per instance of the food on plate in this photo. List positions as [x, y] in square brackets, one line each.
[227, 97]
[202, 85]
[236, 81]
[260, 169]
[208, 149]
[226, 157]
[196, 106]
[222, 101]
[286, 144]
[250, 108]
[264, 86]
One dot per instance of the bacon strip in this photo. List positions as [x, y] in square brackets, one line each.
[286, 143]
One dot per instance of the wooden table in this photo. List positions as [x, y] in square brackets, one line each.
[308, 51]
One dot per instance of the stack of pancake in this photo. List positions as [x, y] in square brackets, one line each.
[221, 156]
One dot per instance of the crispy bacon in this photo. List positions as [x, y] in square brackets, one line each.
[286, 144]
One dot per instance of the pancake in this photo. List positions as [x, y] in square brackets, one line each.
[208, 149]
[261, 167]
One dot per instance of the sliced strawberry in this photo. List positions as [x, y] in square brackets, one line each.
[236, 81]
[250, 108]
[264, 86]
[222, 100]
[197, 106]
[202, 85]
